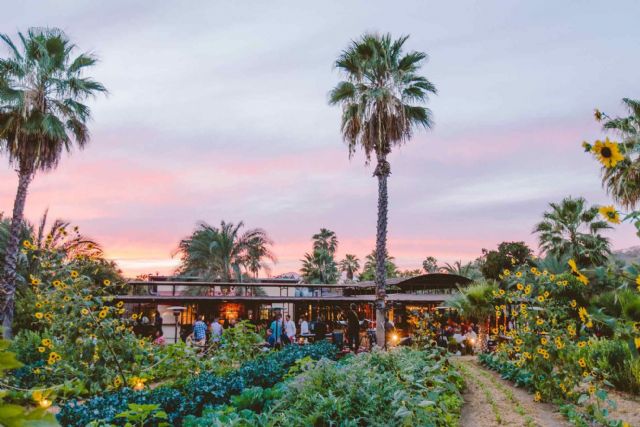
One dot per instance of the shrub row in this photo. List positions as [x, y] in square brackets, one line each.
[191, 396]
[401, 387]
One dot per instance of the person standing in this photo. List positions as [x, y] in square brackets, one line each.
[290, 330]
[353, 328]
[216, 330]
[304, 326]
[200, 331]
[277, 327]
[320, 329]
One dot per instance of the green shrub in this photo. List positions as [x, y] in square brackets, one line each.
[399, 387]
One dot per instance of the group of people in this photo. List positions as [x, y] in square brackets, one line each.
[213, 332]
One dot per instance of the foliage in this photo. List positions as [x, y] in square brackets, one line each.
[399, 387]
[469, 270]
[494, 262]
[369, 270]
[556, 321]
[350, 265]
[474, 301]
[430, 264]
[622, 179]
[320, 265]
[75, 333]
[571, 229]
[13, 415]
[219, 253]
[191, 396]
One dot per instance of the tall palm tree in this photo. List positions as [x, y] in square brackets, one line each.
[325, 240]
[218, 253]
[623, 181]
[350, 265]
[571, 230]
[382, 100]
[42, 114]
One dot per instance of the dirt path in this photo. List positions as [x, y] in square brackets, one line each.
[491, 401]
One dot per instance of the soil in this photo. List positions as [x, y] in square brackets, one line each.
[513, 406]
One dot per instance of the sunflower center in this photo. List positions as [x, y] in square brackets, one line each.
[606, 152]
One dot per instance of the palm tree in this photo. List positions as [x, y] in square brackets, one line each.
[42, 114]
[474, 301]
[319, 267]
[325, 240]
[571, 230]
[382, 100]
[350, 265]
[623, 181]
[430, 264]
[369, 269]
[468, 270]
[218, 253]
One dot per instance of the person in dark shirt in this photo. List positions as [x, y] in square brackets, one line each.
[320, 329]
[353, 329]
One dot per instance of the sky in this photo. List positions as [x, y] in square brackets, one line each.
[218, 110]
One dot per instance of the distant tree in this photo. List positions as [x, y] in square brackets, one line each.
[494, 262]
[350, 265]
[218, 253]
[42, 114]
[325, 240]
[410, 273]
[468, 270]
[320, 265]
[571, 229]
[369, 269]
[430, 264]
[382, 99]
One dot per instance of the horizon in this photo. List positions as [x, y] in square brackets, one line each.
[225, 117]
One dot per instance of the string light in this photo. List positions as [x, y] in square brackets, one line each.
[44, 403]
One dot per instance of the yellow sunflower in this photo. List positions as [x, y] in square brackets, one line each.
[607, 152]
[106, 282]
[610, 214]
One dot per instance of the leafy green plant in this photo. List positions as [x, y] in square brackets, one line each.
[143, 415]
[12, 415]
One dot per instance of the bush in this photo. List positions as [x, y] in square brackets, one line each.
[191, 397]
[614, 359]
[399, 387]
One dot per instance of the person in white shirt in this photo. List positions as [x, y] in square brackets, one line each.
[304, 326]
[216, 330]
[290, 329]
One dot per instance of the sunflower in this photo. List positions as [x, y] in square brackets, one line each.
[39, 315]
[610, 214]
[106, 282]
[84, 311]
[608, 153]
[119, 304]
[520, 286]
[582, 363]
[41, 349]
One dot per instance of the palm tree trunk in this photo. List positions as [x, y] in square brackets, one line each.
[382, 172]
[8, 280]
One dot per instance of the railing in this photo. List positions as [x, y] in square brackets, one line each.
[173, 289]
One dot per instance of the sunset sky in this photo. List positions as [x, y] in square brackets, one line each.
[218, 110]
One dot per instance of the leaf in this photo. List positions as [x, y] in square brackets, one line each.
[583, 398]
